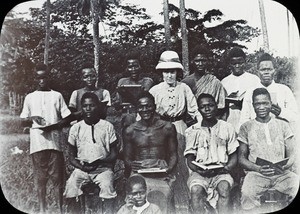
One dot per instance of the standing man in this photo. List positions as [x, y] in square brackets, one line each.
[211, 141]
[237, 83]
[89, 78]
[152, 143]
[202, 81]
[93, 152]
[134, 69]
[48, 111]
[284, 104]
[271, 139]
[129, 110]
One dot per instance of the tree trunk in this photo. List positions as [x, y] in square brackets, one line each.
[47, 37]
[167, 24]
[264, 25]
[184, 36]
[96, 40]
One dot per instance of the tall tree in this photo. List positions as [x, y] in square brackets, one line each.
[96, 9]
[184, 35]
[47, 37]
[167, 23]
[264, 25]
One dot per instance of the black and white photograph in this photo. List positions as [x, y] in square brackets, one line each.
[149, 107]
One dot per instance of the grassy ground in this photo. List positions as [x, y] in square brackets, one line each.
[16, 173]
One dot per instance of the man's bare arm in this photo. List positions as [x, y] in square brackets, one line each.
[128, 150]
[172, 146]
[243, 152]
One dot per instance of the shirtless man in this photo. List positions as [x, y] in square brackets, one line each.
[152, 142]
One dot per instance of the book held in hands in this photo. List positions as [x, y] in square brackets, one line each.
[151, 170]
[208, 167]
[262, 162]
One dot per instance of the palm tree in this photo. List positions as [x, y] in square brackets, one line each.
[263, 25]
[184, 36]
[167, 23]
[47, 37]
[96, 9]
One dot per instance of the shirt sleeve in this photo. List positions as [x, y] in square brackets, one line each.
[233, 144]
[106, 97]
[73, 133]
[111, 134]
[64, 110]
[246, 108]
[191, 142]
[26, 108]
[290, 109]
[243, 134]
[72, 102]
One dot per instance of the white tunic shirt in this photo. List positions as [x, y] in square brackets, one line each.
[51, 106]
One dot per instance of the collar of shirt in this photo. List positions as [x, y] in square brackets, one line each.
[139, 210]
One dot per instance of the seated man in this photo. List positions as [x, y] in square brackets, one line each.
[92, 152]
[212, 141]
[152, 143]
[271, 139]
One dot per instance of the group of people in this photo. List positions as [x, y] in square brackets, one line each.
[174, 126]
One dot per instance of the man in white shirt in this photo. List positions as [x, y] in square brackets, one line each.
[237, 82]
[49, 112]
[284, 104]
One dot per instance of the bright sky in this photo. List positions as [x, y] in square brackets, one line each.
[276, 18]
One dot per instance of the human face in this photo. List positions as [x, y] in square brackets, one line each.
[42, 80]
[146, 108]
[133, 67]
[266, 72]
[237, 64]
[89, 108]
[207, 108]
[169, 76]
[262, 106]
[201, 63]
[89, 77]
[139, 194]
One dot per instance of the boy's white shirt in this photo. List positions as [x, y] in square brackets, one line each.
[139, 210]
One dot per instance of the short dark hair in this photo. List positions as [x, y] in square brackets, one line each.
[92, 96]
[236, 52]
[265, 57]
[91, 68]
[200, 49]
[260, 91]
[145, 94]
[41, 67]
[135, 179]
[133, 54]
[205, 95]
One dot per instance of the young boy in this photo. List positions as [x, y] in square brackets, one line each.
[271, 139]
[46, 107]
[136, 198]
[211, 141]
[89, 77]
[93, 152]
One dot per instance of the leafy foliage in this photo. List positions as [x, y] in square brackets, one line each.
[127, 28]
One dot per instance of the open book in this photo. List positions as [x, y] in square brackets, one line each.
[151, 170]
[45, 126]
[262, 162]
[236, 96]
[207, 167]
[129, 93]
[88, 161]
